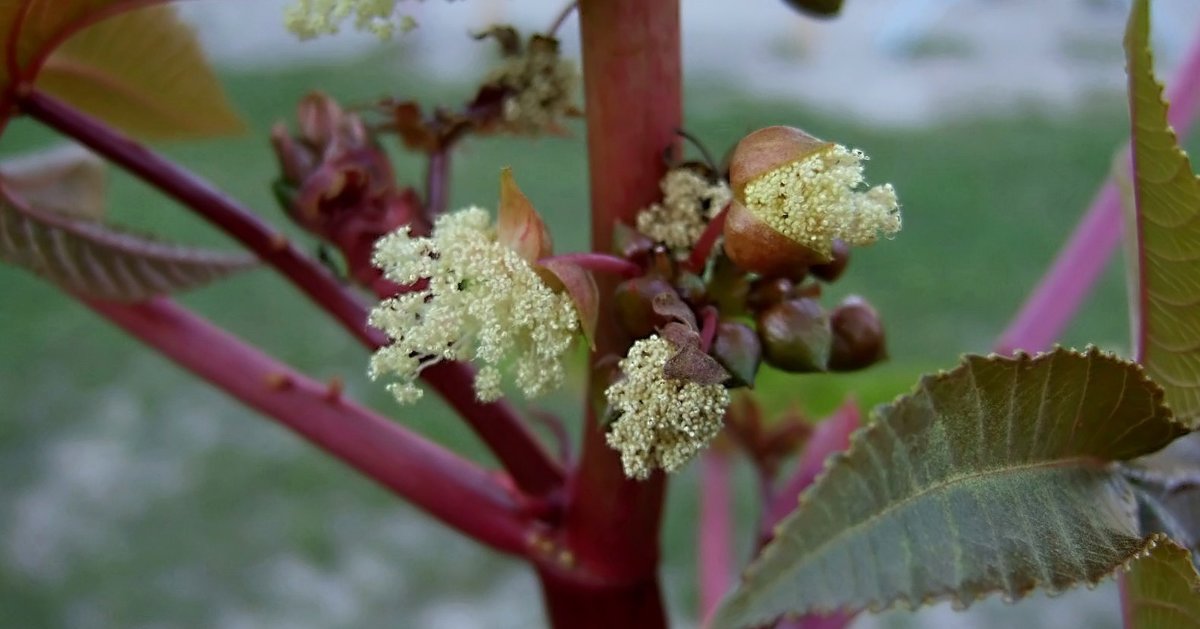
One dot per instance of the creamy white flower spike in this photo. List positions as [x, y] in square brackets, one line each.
[311, 18]
[482, 302]
[820, 198]
[689, 202]
[661, 422]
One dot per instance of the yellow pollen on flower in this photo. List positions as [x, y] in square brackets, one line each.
[689, 202]
[661, 422]
[311, 18]
[821, 198]
[482, 302]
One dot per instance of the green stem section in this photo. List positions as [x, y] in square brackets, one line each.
[633, 85]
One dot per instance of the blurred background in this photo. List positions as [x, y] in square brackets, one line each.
[134, 496]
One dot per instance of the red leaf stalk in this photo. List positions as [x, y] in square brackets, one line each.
[454, 490]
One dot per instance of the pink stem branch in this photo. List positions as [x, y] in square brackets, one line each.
[451, 489]
[708, 327]
[715, 562]
[497, 424]
[601, 263]
[830, 436]
[706, 242]
[1071, 277]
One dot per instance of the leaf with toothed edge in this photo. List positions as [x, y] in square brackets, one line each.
[1167, 194]
[1162, 590]
[90, 259]
[995, 477]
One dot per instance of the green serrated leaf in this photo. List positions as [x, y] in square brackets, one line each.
[90, 259]
[1162, 590]
[1167, 194]
[996, 477]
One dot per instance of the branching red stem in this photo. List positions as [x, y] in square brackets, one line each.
[450, 488]
[715, 547]
[601, 263]
[1069, 280]
[533, 469]
[437, 184]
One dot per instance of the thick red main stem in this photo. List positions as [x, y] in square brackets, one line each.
[632, 74]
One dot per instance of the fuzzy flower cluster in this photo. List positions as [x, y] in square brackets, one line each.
[311, 18]
[541, 83]
[661, 422]
[481, 301]
[689, 202]
[821, 197]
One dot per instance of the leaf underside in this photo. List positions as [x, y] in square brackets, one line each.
[995, 477]
[1163, 590]
[96, 261]
[1168, 228]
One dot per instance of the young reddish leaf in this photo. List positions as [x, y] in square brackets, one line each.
[581, 286]
[518, 225]
[995, 477]
[1167, 321]
[668, 304]
[144, 72]
[89, 259]
[689, 362]
[67, 179]
[1162, 590]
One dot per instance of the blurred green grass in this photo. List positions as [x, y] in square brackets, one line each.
[986, 201]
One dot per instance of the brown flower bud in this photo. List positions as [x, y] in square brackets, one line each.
[737, 348]
[832, 270]
[635, 305]
[766, 292]
[794, 195]
[691, 288]
[858, 338]
[796, 336]
[759, 248]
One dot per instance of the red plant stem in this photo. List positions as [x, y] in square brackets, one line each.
[1074, 272]
[706, 242]
[633, 92]
[497, 424]
[715, 550]
[709, 317]
[601, 263]
[437, 184]
[451, 489]
[830, 436]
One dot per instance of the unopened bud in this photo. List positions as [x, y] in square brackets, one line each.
[796, 336]
[858, 338]
[832, 270]
[738, 350]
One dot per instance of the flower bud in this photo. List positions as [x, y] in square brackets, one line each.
[832, 270]
[795, 335]
[758, 248]
[858, 338]
[691, 288]
[766, 292]
[737, 348]
[635, 305]
[793, 188]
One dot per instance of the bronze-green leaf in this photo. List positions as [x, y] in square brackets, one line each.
[1167, 305]
[1162, 590]
[144, 72]
[90, 259]
[995, 477]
